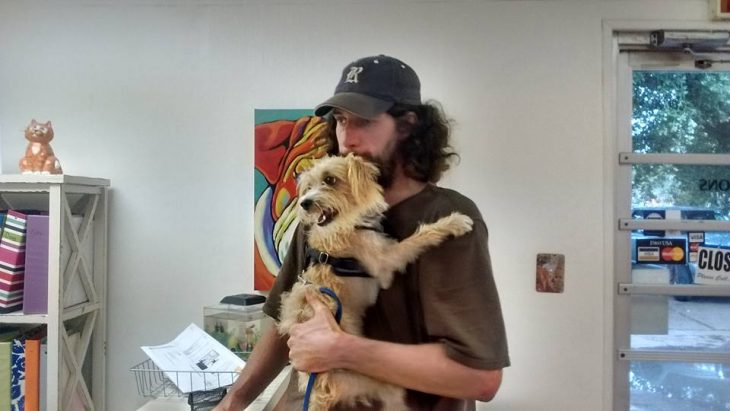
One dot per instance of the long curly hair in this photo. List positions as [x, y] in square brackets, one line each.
[426, 152]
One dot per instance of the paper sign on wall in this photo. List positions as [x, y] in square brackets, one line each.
[713, 266]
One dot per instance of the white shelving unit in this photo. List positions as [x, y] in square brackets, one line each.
[76, 333]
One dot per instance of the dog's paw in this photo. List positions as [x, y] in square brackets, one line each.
[457, 224]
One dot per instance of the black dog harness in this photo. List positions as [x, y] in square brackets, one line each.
[342, 266]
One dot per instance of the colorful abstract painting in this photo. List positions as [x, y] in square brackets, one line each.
[285, 143]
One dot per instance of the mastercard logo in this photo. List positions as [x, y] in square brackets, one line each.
[672, 254]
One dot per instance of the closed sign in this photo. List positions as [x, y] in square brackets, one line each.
[713, 266]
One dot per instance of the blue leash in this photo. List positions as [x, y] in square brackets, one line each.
[338, 317]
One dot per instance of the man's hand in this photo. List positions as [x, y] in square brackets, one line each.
[312, 344]
[227, 405]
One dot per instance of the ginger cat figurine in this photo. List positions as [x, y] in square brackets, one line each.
[39, 157]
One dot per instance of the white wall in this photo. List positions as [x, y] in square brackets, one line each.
[159, 96]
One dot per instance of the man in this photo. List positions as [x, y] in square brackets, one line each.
[438, 330]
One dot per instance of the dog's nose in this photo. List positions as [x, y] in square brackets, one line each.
[305, 204]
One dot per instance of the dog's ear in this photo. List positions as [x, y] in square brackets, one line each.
[361, 175]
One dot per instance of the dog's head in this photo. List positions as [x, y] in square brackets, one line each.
[340, 191]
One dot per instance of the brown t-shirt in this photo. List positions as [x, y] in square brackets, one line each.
[448, 295]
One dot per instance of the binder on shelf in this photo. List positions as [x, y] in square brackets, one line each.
[17, 373]
[12, 259]
[5, 355]
[43, 376]
[33, 371]
[35, 289]
[12, 244]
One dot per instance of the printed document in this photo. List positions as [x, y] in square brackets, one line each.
[195, 361]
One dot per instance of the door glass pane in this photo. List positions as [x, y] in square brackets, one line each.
[657, 385]
[681, 112]
[687, 192]
[680, 323]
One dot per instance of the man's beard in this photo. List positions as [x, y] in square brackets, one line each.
[386, 166]
[387, 172]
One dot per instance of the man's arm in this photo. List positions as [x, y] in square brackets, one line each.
[268, 358]
[320, 345]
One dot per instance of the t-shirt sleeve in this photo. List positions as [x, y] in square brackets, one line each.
[460, 303]
[287, 276]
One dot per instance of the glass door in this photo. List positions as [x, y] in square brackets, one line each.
[672, 311]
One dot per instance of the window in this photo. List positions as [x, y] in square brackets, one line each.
[672, 307]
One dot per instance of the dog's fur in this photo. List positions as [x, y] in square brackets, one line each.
[338, 196]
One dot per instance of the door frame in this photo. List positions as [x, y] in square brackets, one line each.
[618, 34]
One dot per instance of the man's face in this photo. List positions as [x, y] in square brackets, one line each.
[375, 139]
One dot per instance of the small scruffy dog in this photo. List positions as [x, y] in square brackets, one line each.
[340, 205]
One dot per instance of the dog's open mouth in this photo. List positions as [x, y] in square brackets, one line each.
[325, 217]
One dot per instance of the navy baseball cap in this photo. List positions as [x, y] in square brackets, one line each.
[372, 85]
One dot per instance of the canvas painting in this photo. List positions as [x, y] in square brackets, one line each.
[550, 273]
[285, 144]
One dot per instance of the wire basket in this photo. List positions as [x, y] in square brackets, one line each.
[154, 382]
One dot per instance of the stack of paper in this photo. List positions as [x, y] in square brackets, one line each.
[195, 361]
